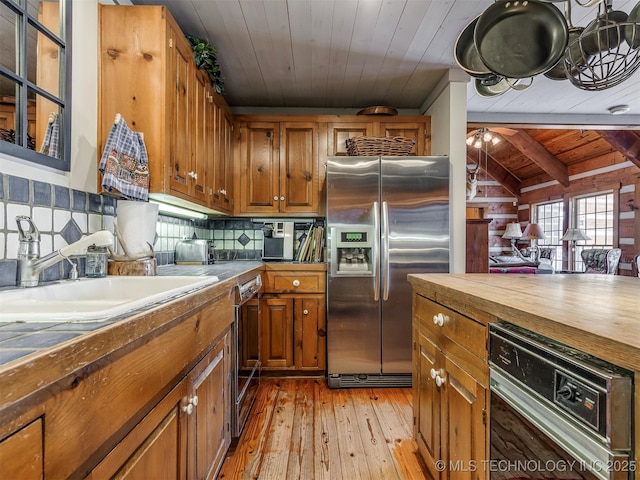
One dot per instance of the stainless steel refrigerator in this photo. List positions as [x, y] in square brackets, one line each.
[386, 217]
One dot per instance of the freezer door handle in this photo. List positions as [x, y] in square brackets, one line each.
[376, 254]
[385, 252]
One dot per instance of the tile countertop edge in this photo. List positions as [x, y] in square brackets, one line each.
[599, 313]
[70, 357]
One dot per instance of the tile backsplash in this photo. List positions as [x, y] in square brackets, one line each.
[63, 215]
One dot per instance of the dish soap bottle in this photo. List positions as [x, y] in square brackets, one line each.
[96, 262]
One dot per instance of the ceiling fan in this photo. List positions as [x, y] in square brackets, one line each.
[480, 136]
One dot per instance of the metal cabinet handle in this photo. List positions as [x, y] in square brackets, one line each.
[439, 319]
[296, 283]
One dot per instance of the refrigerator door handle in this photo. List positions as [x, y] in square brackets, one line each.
[376, 252]
[385, 254]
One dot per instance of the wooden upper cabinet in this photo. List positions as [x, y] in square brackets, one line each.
[222, 186]
[201, 166]
[415, 130]
[299, 184]
[338, 134]
[227, 155]
[259, 167]
[147, 74]
[278, 167]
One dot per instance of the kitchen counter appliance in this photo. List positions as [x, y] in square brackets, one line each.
[572, 411]
[194, 252]
[278, 240]
[246, 353]
[387, 217]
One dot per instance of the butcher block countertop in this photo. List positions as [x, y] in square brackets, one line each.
[598, 314]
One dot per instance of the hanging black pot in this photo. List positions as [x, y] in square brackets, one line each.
[632, 29]
[466, 53]
[519, 39]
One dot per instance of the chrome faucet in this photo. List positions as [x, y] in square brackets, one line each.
[29, 262]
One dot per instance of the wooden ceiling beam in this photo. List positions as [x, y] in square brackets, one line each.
[539, 155]
[627, 142]
[500, 174]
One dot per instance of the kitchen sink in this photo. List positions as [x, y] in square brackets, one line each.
[93, 299]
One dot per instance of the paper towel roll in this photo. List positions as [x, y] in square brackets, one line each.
[137, 225]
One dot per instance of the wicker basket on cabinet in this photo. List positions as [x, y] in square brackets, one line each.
[376, 146]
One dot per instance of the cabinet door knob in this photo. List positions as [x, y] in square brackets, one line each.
[282, 199]
[433, 373]
[194, 400]
[296, 283]
[188, 408]
[305, 312]
[439, 319]
[275, 197]
[440, 380]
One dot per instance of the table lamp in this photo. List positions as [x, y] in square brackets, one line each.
[513, 232]
[533, 232]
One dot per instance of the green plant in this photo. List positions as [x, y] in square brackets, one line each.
[206, 57]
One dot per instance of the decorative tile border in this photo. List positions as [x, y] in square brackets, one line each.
[63, 215]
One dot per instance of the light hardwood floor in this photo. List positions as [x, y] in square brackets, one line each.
[301, 429]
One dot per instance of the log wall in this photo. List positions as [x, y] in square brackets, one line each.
[607, 172]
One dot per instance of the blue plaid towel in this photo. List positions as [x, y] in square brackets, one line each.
[124, 164]
[51, 137]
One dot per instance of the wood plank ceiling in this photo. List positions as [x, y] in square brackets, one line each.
[319, 55]
[350, 54]
[530, 156]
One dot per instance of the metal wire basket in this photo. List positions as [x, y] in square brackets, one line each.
[604, 57]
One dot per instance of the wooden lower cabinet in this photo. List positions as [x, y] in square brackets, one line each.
[187, 434]
[209, 426]
[276, 333]
[450, 396]
[156, 448]
[293, 319]
[309, 333]
[145, 397]
[21, 453]
[293, 332]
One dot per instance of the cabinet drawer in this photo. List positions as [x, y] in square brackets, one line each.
[462, 330]
[294, 282]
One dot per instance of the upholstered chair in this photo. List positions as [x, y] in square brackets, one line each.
[601, 260]
[636, 262]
